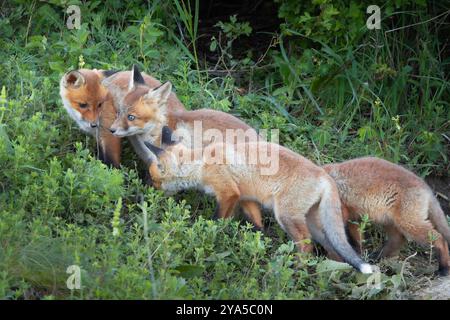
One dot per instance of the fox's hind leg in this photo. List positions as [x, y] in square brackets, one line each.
[394, 242]
[424, 233]
[446, 250]
[295, 225]
[352, 228]
[299, 233]
[316, 229]
[253, 212]
[442, 255]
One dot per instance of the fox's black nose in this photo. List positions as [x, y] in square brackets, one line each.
[93, 125]
[112, 130]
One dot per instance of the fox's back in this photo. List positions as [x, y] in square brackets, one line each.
[209, 116]
[263, 169]
[204, 127]
[370, 170]
[210, 119]
[375, 185]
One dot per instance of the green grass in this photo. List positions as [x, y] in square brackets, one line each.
[383, 94]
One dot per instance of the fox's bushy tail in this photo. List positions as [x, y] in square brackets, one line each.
[438, 218]
[331, 219]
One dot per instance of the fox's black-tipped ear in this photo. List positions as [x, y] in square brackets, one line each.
[109, 73]
[156, 151]
[136, 78]
[167, 138]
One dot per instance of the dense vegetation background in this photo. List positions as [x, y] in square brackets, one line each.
[312, 69]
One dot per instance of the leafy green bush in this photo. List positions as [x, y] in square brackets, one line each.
[368, 81]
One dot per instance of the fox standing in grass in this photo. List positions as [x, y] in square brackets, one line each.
[296, 191]
[91, 104]
[395, 198]
[144, 112]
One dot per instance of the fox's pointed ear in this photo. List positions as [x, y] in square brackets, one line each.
[135, 78]
[108, 73]
[161, 93]
[167, 138]
[73, 79]
[154, 149]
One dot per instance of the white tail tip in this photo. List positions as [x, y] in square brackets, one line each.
[366, 268]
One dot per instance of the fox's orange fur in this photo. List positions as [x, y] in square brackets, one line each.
[296, 191]
[148, 107]
[151, 115]
[84, 87]
[89, 92]
[395, 198]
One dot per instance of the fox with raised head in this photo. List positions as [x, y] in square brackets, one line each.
[144, 111]
[395, 198]
[295, 190]
[91, 104]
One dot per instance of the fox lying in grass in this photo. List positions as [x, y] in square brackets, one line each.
[144, 111]
[296, 191]
[91, 104]
[395, 198]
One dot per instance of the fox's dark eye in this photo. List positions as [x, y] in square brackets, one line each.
[131, 117]
[83, 105]
[100, 105]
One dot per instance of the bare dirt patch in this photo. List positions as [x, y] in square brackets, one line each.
[437, 289]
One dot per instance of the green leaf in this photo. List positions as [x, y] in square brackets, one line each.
[331, 265]
[323, 137]
[366, 133]
[190, 271]
[223, 254]
[4, 138]
[396, 280]
[57, 66]
[213, 45]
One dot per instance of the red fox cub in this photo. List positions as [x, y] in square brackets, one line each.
[294, 187]
[91, 105]
[396, 198]
[144, 111]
